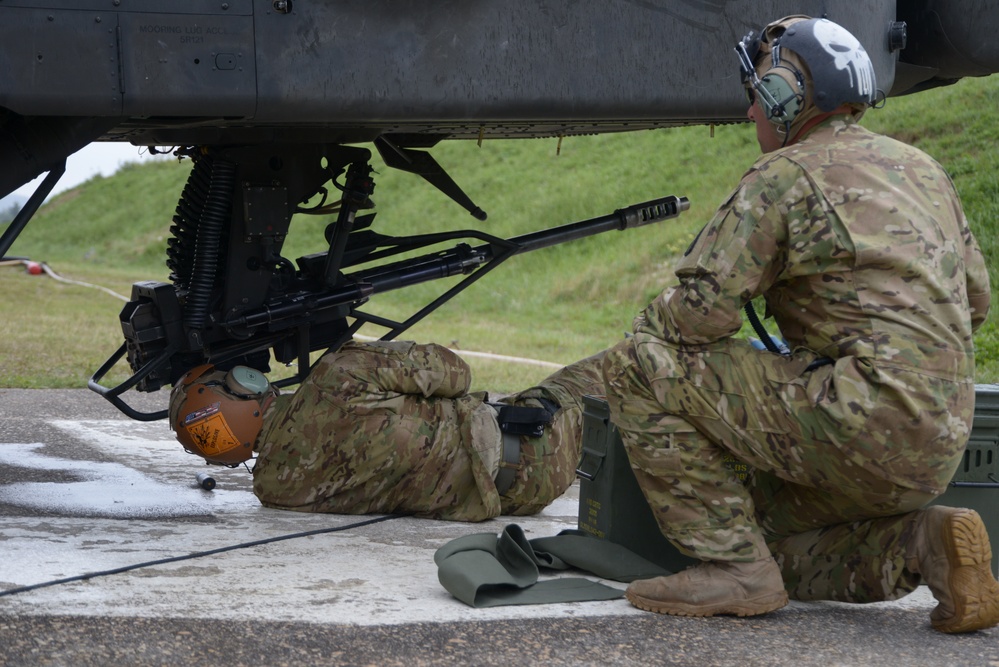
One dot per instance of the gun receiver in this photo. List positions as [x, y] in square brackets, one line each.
[234, 300]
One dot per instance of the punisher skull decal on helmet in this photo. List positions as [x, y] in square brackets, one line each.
[841, 71]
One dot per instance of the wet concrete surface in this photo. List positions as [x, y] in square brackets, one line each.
[85, 490]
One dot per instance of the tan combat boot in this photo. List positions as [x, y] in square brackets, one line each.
[950, 549]
[713, 587]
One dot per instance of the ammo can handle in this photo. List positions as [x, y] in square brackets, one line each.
[589, 476]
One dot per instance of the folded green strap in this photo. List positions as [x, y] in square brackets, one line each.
[486, 570]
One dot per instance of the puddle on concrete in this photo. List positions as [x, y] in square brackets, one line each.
[112, 489]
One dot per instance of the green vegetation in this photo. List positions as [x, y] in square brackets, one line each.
[557, 304]
[7, 213]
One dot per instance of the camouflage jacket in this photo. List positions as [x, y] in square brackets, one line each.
[857, 242]
[859, 245]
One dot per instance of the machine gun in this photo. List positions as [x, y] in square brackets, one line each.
[238, 302]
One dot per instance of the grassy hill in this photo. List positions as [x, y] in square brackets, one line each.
[557, 304]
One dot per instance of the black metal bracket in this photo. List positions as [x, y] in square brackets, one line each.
[423, 164]
[112, 394]
[27, 211]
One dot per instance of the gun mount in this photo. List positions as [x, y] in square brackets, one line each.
[239, 302]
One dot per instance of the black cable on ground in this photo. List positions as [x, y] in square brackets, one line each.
[197, 554]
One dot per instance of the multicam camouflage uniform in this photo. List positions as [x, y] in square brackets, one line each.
[390, 428]
[863, 254]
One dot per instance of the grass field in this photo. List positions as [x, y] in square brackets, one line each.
[557, 304]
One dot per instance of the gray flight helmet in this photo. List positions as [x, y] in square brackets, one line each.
[841, 71]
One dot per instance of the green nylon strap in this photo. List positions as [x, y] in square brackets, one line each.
[486, 570]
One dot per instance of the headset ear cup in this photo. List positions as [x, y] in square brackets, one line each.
[246, 382]
[784, 89]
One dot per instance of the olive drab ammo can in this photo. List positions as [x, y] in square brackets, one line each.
[611, 504]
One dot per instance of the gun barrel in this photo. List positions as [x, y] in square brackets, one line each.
[301, 305]
[630, 217]
[459, 260]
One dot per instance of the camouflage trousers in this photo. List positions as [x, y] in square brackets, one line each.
[548, 464]
[838, 530]
[391, 428]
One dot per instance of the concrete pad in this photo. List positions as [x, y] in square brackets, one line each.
[139, 501]
[84, 490]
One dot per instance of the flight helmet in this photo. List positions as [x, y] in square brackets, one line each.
[218, 414]
[798, 63]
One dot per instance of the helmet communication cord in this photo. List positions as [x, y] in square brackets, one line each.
[757, 325]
